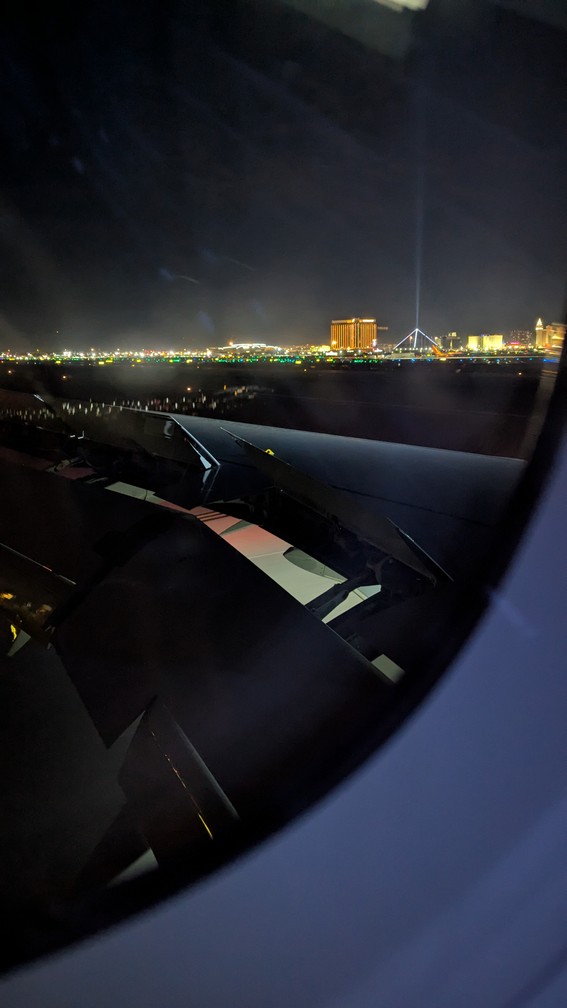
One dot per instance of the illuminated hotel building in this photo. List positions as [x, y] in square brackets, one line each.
[520, 337]
[550, 336]
[539, 333]
[487, 341]
[554, 336]
[353, 334]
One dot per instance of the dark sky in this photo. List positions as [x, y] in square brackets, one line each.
[282, 166]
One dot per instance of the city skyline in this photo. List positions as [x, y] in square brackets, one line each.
[543, 338]
[379, 335]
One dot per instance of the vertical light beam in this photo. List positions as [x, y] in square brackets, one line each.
[419, 193]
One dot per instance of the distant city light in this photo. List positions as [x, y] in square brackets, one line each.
[355, 339]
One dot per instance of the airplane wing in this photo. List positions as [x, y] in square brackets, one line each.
[241, 611]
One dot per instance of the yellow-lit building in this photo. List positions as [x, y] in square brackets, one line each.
[554, 336]
[550, 336]
[353, 334]
[486, 342]
[539, 333]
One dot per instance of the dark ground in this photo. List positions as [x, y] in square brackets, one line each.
[487, 408]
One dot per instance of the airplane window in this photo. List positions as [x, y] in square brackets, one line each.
[281, 375]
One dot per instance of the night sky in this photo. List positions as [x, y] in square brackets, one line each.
[188, 173]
